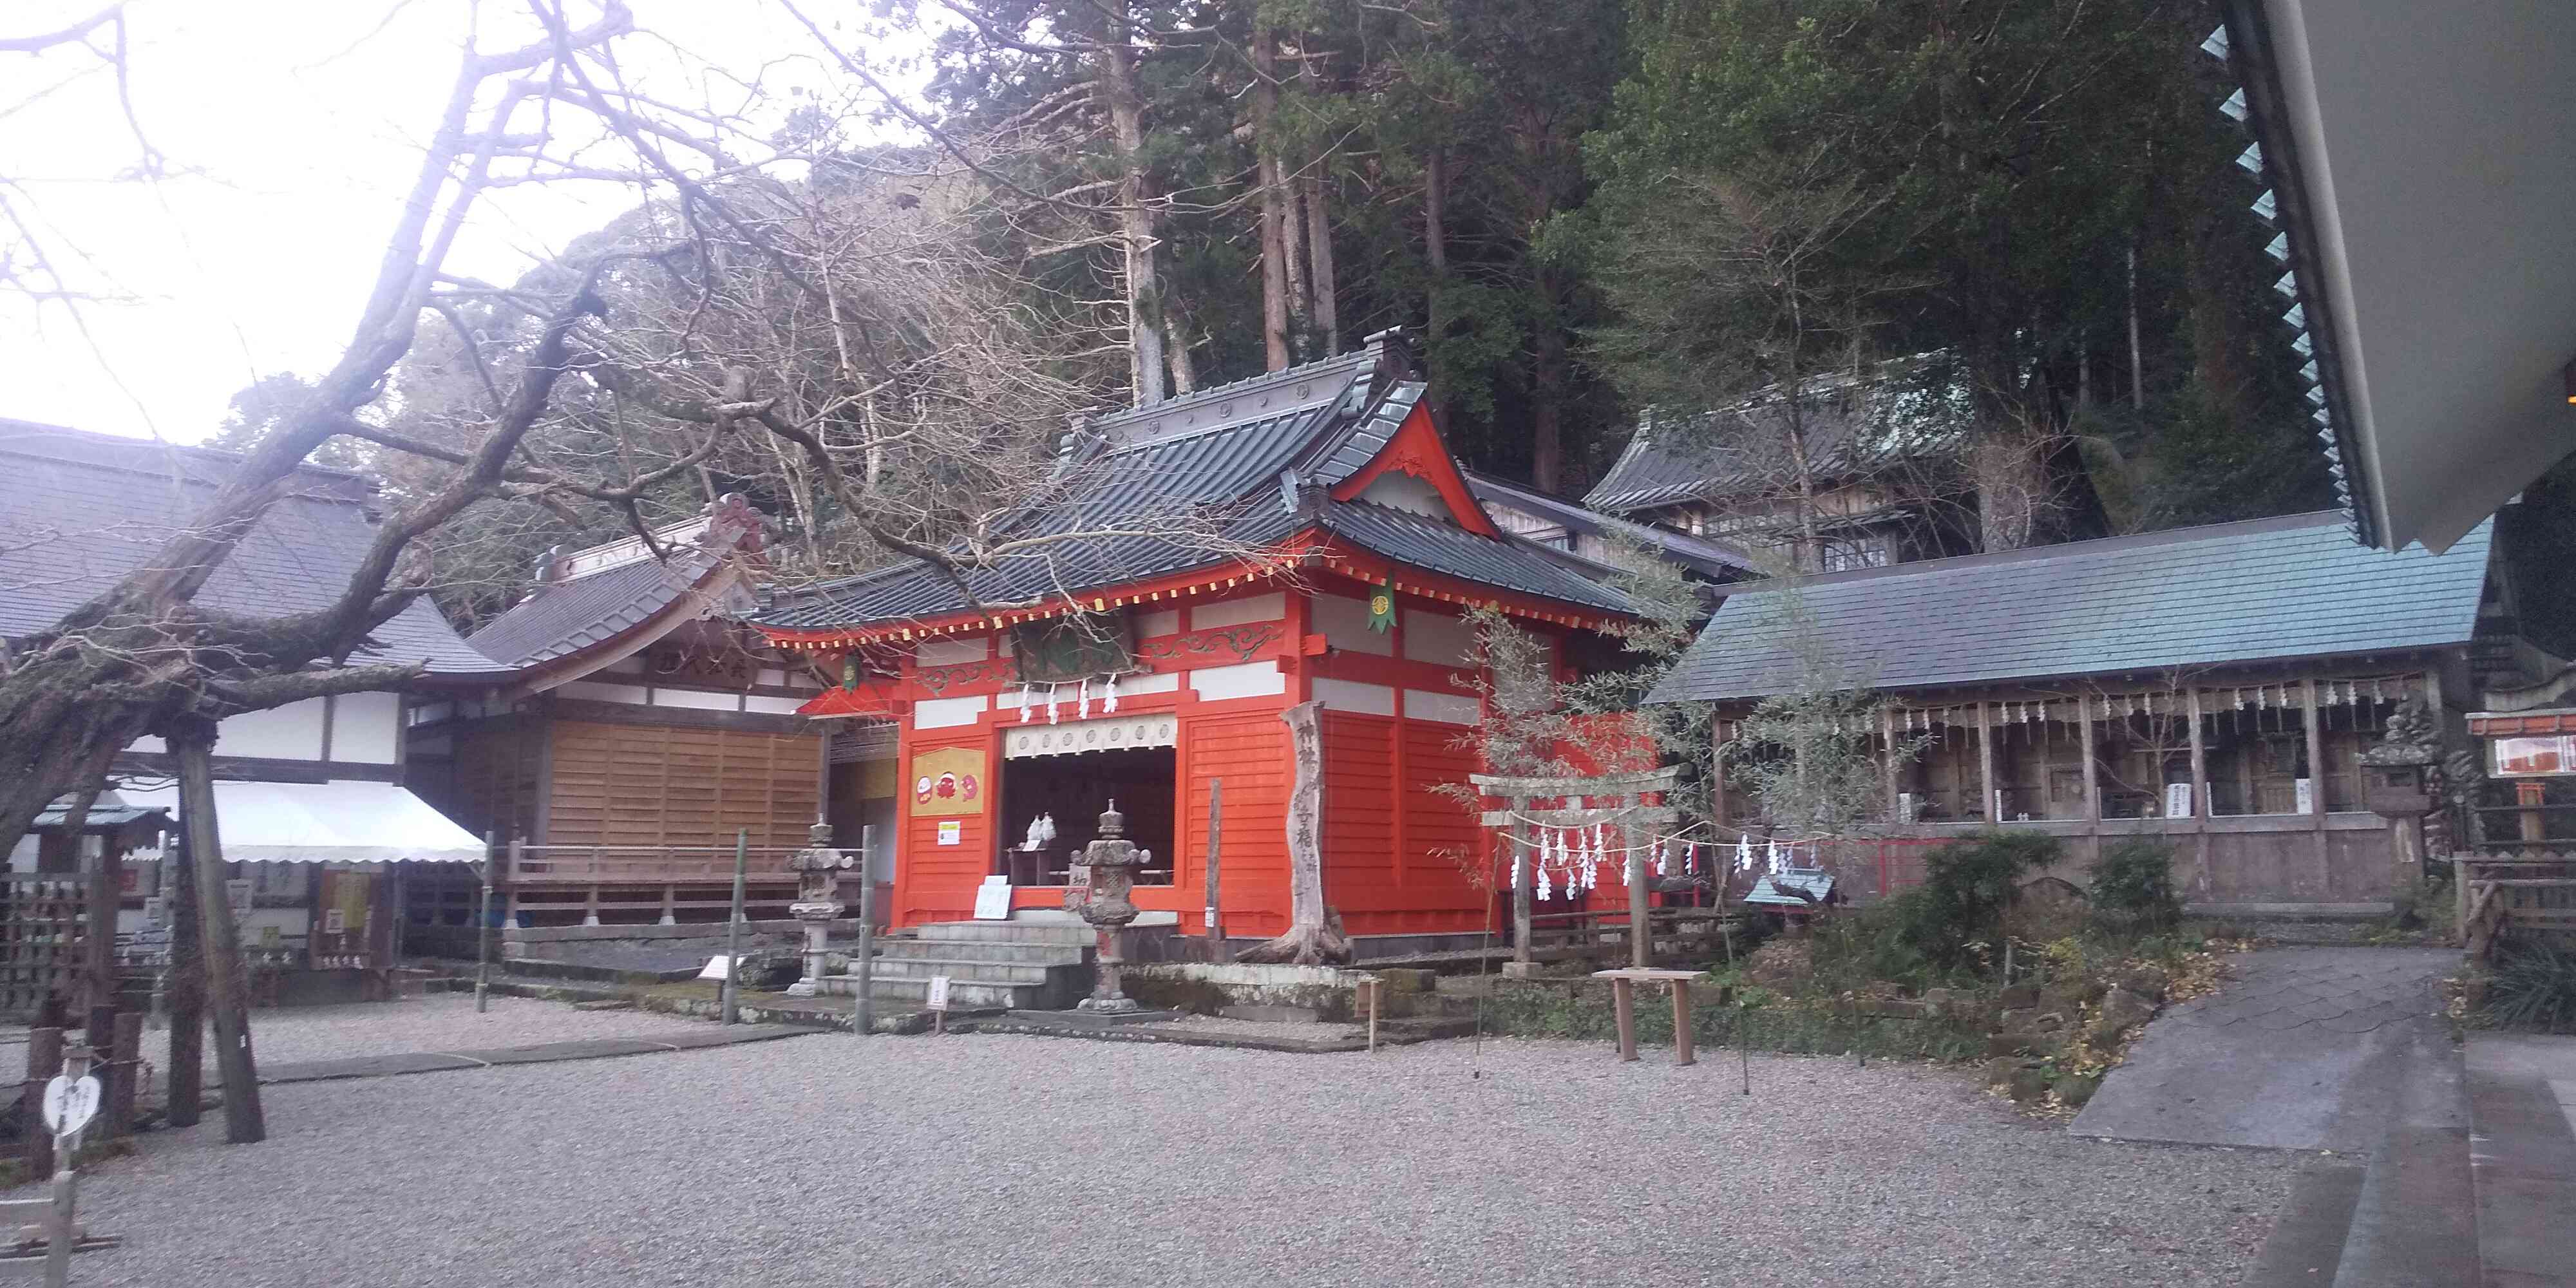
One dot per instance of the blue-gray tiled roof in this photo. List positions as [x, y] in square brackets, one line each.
[2260, 590]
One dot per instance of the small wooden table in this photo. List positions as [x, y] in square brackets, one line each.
[1623, 994]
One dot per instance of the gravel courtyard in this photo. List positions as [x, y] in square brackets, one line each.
[979, 1160]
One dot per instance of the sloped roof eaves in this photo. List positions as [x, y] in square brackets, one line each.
[569, 617]
[2227, 594]
[1369, 435]
[1709, 555]
[81, 510]
[1439, 548]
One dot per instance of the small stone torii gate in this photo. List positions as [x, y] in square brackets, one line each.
[1627, 811]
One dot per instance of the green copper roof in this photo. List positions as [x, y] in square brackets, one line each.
[2245, 592]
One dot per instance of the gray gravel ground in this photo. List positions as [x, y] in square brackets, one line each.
[438, 1022]
[990, 1159]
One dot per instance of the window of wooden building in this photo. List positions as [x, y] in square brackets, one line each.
[2039, 759]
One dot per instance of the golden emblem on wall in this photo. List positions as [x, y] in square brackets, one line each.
[951, 780]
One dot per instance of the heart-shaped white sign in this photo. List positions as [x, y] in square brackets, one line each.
[70, 1102]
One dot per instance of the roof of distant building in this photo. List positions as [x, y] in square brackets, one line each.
[1712, 559]
[81, 510]
[1851, 426]
[2224, 594]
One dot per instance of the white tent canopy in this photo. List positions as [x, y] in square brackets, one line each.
[343, 821]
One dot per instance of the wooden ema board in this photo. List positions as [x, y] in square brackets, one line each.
[949, 782]
[43, 937]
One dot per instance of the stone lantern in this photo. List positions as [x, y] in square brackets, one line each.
[2397, 781]
[817, 868]
[1113, 860]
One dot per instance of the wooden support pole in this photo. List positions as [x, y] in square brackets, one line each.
[227, 981]
[1372, 988]
[2092, 766]
[483, 929]
[732, 992]
[1215, 858]
[44, 1060]
[2199, 763]
[187, 986]
[1994, 810]
[1682, 1052]
[1887, 762]
[1641, 926]
[863, 961]
[1623, 1002]
[98, 965]
[1523, 869]
[126, 1068]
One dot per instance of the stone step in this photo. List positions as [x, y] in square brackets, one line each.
[961, 993]
[960, 969]
[984, 949]
[1021, 932]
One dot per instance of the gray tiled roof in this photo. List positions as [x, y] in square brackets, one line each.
[79, 510]
[567, 617]
[1159, 479]
[2254, 591]
[1851, 427]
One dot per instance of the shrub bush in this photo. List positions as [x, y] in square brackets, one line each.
[2534, 988]
[2133, 889]
[1967, 887]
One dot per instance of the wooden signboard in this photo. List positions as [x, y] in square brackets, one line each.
[993, 899]
[938, 1000]
[950, 780]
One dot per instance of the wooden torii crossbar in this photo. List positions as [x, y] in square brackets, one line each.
[1626, 811]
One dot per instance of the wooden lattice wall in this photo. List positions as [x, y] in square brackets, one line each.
[617, 784]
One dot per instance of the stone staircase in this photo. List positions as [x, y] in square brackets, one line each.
[1027, 965]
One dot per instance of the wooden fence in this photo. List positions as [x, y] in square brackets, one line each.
[594, 885]
[2523, 893]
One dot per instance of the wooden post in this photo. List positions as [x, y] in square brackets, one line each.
[1623, 1003]
[44, 1060]
[1986, 764]
[126, 1068]
[2092, 770]
[863, 963]
[732, 992]
[670, 905]
[98, 983]
[187, 986]
[1641, 875]
[483, 929]
[59, 1227]
[227, 983]
[1887, 761]
[1524, 861]
[1371, 987]
[1682, 1053]
[2199, 762]
[1215, 906]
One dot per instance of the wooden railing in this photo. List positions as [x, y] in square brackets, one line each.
[1566, 936]
[2533, 893]
[593, 885]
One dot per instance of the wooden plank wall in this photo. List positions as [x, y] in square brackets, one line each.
[646, 785]
[1250, 752]
[488, 783]
[1390, 841]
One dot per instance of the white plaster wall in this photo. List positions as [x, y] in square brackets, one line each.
[947, 713]
[1344, 623]
[290, 732]
[1436, 637]
[1235, 612]
[1446, 708]
[366, 728]
[1165, 682]
[598, 692]
[1248, 680]
[699, 699]
[1350, 695]
[952, 652]
[1161, 621]
[1398, 491]
[772, 706]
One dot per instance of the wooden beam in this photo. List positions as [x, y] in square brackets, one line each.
[1654, 780]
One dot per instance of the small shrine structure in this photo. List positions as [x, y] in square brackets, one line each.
[1302, 542]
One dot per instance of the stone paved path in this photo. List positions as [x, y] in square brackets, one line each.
[2306, 1048]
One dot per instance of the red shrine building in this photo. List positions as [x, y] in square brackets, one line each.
[1302, 537]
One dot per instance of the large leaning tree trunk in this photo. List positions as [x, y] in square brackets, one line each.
[142, 653]
[1311, 939]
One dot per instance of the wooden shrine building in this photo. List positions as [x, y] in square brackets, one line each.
[2215, 686]
[631, 729]
[1313, 542]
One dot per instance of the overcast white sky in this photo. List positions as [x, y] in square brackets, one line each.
[301, 118]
